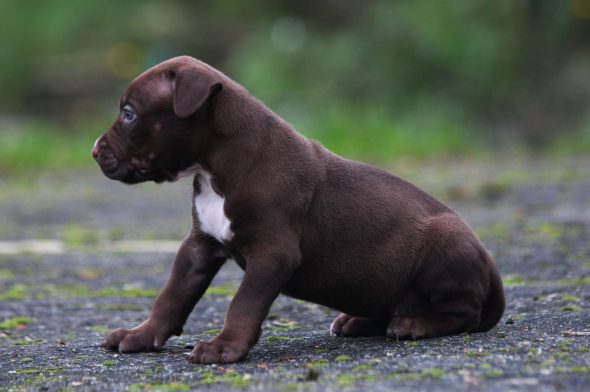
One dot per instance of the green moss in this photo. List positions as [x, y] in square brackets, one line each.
[494, 373]
[297, 386]
[571, 298]
[6, 274]
[108, 363]
[467, 338]
[173, 386]
[233, 378]
[516, 280]
[345, 380]
[100, 329]
[281, 339]
[318, 363]
[283, 325]
[236, 380]
[571, 308]
[153, 371]
[412, 344]
[28, 342]
[548, 231]
[26, 360]
[77, 236]
[575, 370]
[497, 231]
[476, 354]
[547, 363]
[69, 336]
[124, 293]
[207, 377]
[212, 331]
[55, 369]
[120, 307]
[343, 358]
[89, 273]
[224, 290]
[433, 373]
[15, 322]
[574, 282]
[16, 292]
[21, 292]
[28, 371]
[513, 280]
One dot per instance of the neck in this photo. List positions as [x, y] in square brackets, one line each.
[242, 130]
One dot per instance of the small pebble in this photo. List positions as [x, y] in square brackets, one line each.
[509, 321]
[189, 346]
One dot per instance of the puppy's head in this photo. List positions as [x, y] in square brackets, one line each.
[162, 123]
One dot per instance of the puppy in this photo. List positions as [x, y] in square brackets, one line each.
[298, 219]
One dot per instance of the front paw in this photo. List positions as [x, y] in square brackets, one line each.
[139, 339]
[218, 350]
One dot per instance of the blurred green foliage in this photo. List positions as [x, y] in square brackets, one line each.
[371, 79]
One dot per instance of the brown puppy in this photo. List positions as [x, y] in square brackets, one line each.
[298, 219]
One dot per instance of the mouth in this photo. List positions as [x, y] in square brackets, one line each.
[130, 170]
[132, 173]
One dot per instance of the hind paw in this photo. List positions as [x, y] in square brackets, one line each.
[350, 326]
[401, 328]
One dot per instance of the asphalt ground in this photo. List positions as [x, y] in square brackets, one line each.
[57, 304]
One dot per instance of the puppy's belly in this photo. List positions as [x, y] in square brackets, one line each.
[361, 288]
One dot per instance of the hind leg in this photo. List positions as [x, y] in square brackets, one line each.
[349, 326]
[444, 317]
[448, 292]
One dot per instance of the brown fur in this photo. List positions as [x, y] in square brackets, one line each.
[306, 223]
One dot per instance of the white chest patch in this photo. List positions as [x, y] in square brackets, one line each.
[209, 207]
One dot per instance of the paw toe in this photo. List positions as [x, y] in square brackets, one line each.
[217, 352]
[113, 339]
[338, 324]
[401, 328]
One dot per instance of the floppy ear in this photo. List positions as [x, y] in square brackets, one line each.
[191, 89]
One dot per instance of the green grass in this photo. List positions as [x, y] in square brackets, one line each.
[37, 145]
[366, 134]
[375, 136]
[355, 133]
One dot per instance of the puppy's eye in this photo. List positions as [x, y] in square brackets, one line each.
[128, 114]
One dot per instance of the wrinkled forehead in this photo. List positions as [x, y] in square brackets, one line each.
[150, 90]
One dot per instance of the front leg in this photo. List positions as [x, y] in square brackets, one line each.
[267, 271]
[196, 263]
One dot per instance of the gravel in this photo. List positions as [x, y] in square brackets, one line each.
[55, 309]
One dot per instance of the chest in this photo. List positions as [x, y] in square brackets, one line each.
[209, 209]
